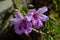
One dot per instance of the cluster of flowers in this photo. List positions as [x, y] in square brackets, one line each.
[23, 24]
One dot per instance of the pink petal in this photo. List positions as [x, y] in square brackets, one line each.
[29, 28]
[17, 30]
[19, 15]
[29, 17]
[32, 11]
[42, 10]
[30, 14]
[43, 17]
[37, 23]
[15, 21]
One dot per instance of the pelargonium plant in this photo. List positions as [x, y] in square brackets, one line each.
[23, 24]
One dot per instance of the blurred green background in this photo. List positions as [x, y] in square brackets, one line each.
[51, 29]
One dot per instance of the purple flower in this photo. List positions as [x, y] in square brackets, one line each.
[21, 25]
[37, 17]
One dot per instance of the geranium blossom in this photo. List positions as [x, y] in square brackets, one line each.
[21, 25]
[37, 17]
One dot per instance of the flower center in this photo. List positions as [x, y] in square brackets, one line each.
[37, 22]
[23, 24]
[19, 27]
[35, 16]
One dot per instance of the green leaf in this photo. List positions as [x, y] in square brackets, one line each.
[56, 3]
[53, 14]
[15, 1]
